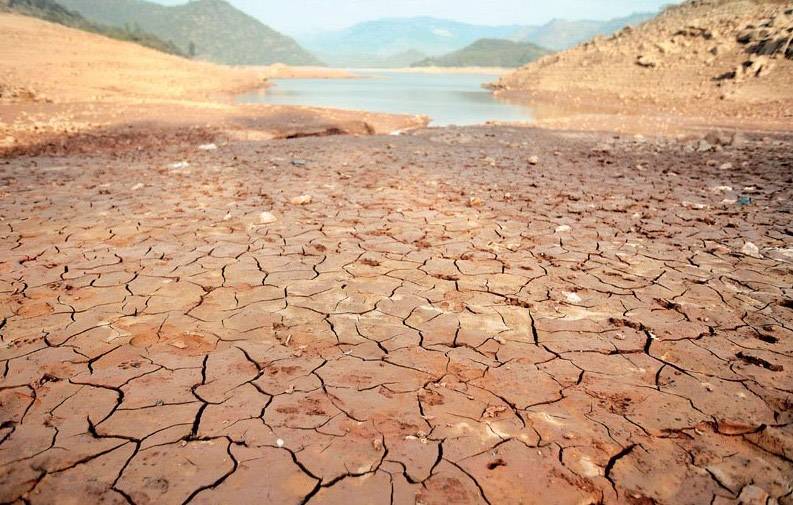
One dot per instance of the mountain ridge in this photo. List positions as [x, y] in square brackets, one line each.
[434, 37]
[212, 30]
[488, 53]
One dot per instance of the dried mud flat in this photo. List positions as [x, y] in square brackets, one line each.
[446, 321]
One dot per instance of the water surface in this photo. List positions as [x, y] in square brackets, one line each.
[448, 99]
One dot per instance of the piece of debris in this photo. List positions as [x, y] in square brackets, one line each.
[563, 229]
[207, 147]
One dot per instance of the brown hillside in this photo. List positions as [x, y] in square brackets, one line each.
[710, 61]
[63, 64]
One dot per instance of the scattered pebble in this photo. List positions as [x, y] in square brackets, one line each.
[301, 200]
[749, 249]
[266, 218]
[533, 160]
[179, 165]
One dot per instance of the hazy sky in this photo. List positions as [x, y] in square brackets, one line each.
[300, 16]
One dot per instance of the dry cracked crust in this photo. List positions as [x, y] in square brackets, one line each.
[426, 330]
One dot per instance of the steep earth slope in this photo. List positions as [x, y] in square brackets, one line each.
[207, 29]
[717, 59]
[488, 53]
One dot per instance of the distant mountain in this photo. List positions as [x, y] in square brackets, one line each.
[560, 34]
[365, 43]
[369, 43]
[53, 12]
[207, 29]
[488, 53]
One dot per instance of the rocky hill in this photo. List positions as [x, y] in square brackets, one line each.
[49, 10]
[728, 57]
[488, 53]
[212, 30]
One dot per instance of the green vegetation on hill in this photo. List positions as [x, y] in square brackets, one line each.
[207, 29]
[488, 53]
[53, 12]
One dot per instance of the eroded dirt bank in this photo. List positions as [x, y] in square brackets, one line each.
[432, 318]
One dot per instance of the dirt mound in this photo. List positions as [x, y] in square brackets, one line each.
[718, 58]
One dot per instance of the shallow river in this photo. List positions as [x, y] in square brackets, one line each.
[447, 98]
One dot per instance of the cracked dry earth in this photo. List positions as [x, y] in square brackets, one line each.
[444, 323]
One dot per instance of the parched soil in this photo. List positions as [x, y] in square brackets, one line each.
[444, 321]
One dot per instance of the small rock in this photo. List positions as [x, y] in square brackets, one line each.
[749, 249]
[533, 160]
[474, 202]
[299, 163]
[753, 495]
[301, 200]
[179, 165]
[704, 146]
[646, 61]
[726, 166]
[267, 218]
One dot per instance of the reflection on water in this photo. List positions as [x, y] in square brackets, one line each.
[447, 98]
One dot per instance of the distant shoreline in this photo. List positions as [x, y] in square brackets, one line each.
[280, 71]
[438, 70]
